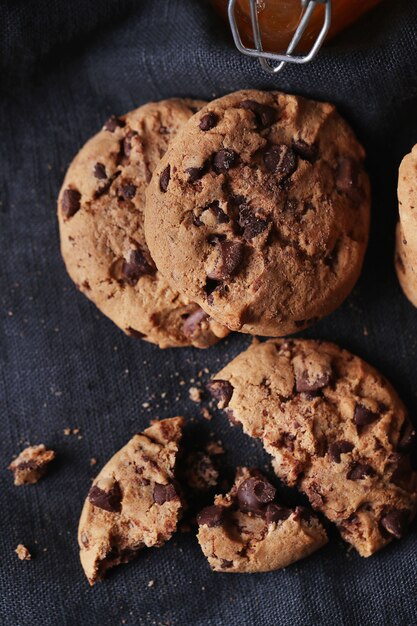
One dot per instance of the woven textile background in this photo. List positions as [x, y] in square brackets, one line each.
[65, 66]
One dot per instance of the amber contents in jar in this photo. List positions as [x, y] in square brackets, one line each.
[278, 20]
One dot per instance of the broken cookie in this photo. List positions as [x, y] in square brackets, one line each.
[134, 501]
[247, 530]
[335, 428]
[31, 464]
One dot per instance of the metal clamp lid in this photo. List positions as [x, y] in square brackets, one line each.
[265, 58]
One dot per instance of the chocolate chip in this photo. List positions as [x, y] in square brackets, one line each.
[275, 513]
[306, 382]
[100, 171]
[225, 564]
[306, 151]
[112, 123]
[251, 224]
[164, 493]
[107, 500]
[135, 333]
[221, 390]
[210, 516]
[360, 470]
[396, 521]
[211, 285]
[208, 121]
[221, 216]
[281, 160]
[164, 178]
[265, 115]
[195, 173]
[363, 416]
[347, 178]
[136, 267]
[193, 322]
[127, 191]
[126, 145]
[253, 493]
[70, 203]
[339, 447]
[224, 160]
[407, 436]
[230, 256]
[104, 188]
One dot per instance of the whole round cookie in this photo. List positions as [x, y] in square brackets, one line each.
[335, 428]
[259, 211]
[100, 210]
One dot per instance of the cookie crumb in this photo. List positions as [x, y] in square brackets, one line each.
[23, 553]
[145, 405]
[93, 461]
[195, 394]
[365, 331]
[31, 464]
[151, 583]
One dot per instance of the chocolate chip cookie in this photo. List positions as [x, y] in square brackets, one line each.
[31, 464]
[249, 531]
[100, 210]
[259, 211]
[335, 428]
[406, 236]
[134, 501]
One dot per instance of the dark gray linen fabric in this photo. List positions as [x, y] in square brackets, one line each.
[64, 68]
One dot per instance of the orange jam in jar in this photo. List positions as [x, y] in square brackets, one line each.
[278, 20]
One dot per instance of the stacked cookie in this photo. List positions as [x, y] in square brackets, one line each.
[406, 236]
[256, 217]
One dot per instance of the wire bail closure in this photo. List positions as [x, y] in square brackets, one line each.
[265, 58]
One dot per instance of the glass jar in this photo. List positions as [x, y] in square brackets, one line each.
[278, 20]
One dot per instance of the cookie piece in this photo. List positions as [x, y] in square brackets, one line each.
[259, 211]
[406, 236]
[249, 531]
[335, 428]
[100, 211]
[31, 464]
[133, 502]
[23, 553]
[406, 265]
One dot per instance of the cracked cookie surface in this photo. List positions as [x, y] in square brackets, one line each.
[335, 428]
[247, 530]
[100, 211]
[134, 501]
[259, 211]
[406, 234]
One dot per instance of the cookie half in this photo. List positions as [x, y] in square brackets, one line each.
[335, 428]
[259, 211]
[248, 531]
[100, 211]
[134, 501]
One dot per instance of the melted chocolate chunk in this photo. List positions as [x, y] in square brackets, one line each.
[107, 500]
[211, 285]
[195, 173]
[127, 191]
[70, 203]
[347, 179]
[164, 493]
[306, 151]
[358, 471]
[223, 160]
[305, 383]
[221, 216]
[281, 160]
[276, 513]
[251, 224]
[208, 121]
[229, 258]
[112, 123]
[164, 179]
[221, 390]
[100, 171]
[265, 115]
[363, 416]
[254, 493]
[193, 322]
[339, 447]
[395, 522]
[211, 516]
[136, 267]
